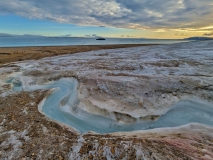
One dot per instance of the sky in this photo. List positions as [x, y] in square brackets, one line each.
[170, 19]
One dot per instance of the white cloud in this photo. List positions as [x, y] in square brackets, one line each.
[137, 14]
[92, 36]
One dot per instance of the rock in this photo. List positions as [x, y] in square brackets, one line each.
[143, 140]
[140, 103]
[163, 96]
[112, 150]
[91, 156]
[174, 94]
[101, 152]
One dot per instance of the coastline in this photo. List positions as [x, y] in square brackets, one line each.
[13, 54]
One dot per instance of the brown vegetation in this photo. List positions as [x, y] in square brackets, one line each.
[13, 54]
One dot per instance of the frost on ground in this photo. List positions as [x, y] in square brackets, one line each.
[131, 84]
[126, 85]
[186, 142]
[31, 135]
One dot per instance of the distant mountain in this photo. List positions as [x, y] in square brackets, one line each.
[16, 35]
[5, 35]
[199, 38]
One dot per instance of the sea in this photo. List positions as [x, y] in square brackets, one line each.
[22, 41]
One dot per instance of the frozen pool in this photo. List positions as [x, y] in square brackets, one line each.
[62, 106]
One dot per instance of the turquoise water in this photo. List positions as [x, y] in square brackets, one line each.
[18, 41]
[9, 80]
[62, 107]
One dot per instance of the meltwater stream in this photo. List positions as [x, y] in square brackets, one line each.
[61, 106]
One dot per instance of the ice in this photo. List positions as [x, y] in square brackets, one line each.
[62, 106]
[184, 112]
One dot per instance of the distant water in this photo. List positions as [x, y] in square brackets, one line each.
[20, 41]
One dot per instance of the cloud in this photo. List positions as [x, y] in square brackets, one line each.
[92, 35]
[184, 15]
[66, 35]
[126, 36]
[208, 34]
[181, 34]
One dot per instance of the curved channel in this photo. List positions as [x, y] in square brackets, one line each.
[61, 106]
